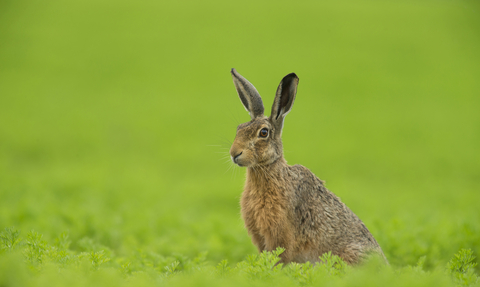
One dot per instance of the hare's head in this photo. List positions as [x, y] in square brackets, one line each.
[259, 141]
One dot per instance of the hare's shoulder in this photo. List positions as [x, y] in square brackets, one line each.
[307, 185]
[311, 194]
[307, 177]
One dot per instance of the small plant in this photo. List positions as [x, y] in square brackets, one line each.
[462, 268]
[304, 274]
[98, 258]
[222, 268]
[263, 265]
[418, 268]
[62, 242]
[333, 264]
[9, 238]
[36, 248]
[171, 269]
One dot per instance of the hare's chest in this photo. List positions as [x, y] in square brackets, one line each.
[263, 211]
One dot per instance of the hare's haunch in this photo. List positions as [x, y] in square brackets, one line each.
[288, 206]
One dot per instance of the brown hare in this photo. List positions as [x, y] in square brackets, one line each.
[288, 206]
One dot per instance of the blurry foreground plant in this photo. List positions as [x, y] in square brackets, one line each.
[48, 262]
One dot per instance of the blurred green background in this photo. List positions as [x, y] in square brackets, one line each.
[116, 118]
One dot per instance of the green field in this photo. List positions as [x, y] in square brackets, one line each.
[116, 118]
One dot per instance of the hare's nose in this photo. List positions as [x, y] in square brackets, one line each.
[234, 158]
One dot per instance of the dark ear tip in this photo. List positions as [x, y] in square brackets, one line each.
[293, 75]
[233, 71]
[290, 77]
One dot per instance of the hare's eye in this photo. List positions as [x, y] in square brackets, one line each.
[264, 132]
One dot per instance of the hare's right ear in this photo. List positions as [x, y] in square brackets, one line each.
[249, 96]
[284, 99]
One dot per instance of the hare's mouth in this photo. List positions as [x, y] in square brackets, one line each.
[236, 159]
[240, 163]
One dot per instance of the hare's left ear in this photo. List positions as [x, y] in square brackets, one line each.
[284, 99]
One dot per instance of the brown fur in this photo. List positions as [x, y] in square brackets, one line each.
[288, 206]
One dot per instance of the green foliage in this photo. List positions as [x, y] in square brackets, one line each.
[222, 268]
[9, 238]
[462, 268]
[333, 264]
[36, 248]
[98, 258]
[266, 266]
[262, 266]
[257, 269]
[331, 267]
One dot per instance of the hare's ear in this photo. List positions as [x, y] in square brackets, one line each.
[249, 96]
[284, 99]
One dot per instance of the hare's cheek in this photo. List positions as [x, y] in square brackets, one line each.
[262, 150]
[271, 154]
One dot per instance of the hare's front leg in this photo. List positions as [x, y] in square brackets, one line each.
[258, 240]
[281, 237]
